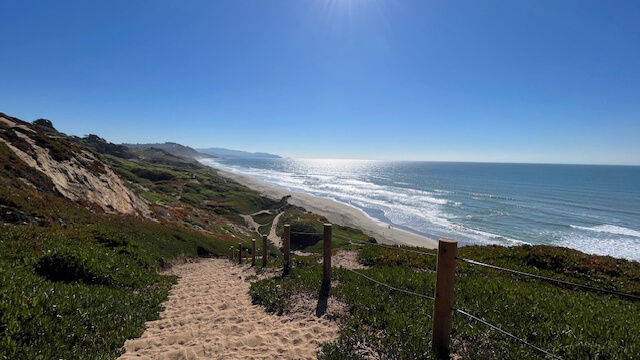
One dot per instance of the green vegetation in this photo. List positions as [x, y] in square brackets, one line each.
[76, 282]
[264, 220]
[197, 186]
[307, 230]
[275, 293]
[80, 291]
[568, 322]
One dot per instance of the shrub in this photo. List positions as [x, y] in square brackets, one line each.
[203, 251]
[69, 267]
[272, 295]
[308, 236]
[152, 174]
[111, 240]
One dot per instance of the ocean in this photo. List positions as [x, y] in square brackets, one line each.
[591, 208]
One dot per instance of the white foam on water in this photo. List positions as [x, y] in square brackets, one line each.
[490, 196]
[442, 191]
[611, 229]
[616, 246]
[420, 210]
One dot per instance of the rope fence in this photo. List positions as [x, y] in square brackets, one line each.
[306, 233]
[443, 295]
[495, 267]
[557, 281]
[539, 349]
[459, 311]
[449, 308]
[387, 246]
[391, 287]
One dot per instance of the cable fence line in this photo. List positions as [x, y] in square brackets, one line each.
[545, 278]
[539, 349]
[306, 233]
[478, 263]
[443, 297]
[494, 327]
[391, 287]
[386, 246]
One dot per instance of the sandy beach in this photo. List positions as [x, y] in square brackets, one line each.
[335, 212]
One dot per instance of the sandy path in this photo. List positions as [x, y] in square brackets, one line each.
[347, 259]
[209, 315]
[273, 237]
[253, 225]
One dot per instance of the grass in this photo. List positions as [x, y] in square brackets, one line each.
[570, 323]
[265, 220]
[304, 222]
[76, 282]
[191, 184]
[79, 291]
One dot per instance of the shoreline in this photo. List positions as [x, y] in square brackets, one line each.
[336, 212]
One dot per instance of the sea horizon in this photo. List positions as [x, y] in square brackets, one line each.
[478, 210]
[446, 161]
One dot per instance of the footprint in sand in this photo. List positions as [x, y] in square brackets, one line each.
[252, 340]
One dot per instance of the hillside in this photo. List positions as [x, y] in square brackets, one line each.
[85, 227]
[173, 149]
[75, 172]
[227, 153]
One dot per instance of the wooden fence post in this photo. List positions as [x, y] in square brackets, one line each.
[253, 252]
[232, 253]
[326, 269]
[265, 251]
[443, 304]
[240, 253]
[286, 247]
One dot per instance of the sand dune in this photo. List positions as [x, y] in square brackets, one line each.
[209, 315]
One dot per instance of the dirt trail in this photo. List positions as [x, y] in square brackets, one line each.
[347, 259]
[273, 237]
[209, 315]
[253, 225]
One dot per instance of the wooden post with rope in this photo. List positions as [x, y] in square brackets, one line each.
[286, 248]
[443, 304]
[253, 252]
[326, 268]
[265, 251]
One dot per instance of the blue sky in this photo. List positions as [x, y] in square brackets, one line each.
[516, 81]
